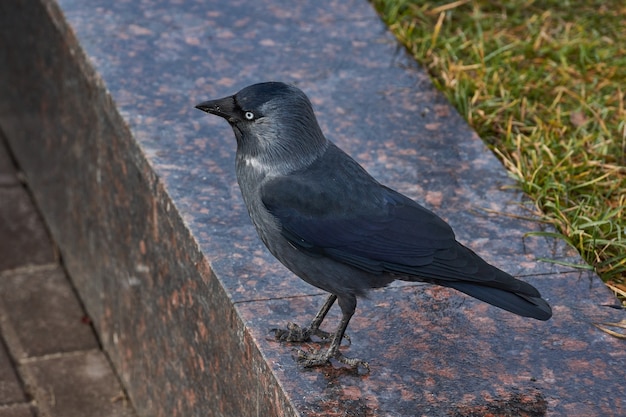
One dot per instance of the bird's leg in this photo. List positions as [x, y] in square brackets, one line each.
[295, 333]
[310, 359]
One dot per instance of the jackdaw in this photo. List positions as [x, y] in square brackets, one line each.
[333, 225]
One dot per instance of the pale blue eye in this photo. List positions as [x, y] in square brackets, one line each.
[249, 115]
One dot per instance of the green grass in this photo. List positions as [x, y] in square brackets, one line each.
[543, 84]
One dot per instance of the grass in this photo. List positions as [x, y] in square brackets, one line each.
[543, 84]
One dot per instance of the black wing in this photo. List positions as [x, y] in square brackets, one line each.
[346, 215]
[366, 225]
[384, 231]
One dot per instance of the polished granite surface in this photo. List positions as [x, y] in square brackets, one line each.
[138, 188]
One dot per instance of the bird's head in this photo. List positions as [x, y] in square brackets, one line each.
[274, 124]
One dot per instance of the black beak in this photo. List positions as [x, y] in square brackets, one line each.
[223, 107]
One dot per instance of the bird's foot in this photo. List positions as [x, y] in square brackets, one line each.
[295, 333]
[316, 358]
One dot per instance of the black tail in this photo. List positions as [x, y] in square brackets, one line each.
[521, 304]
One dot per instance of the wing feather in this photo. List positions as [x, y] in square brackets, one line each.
[396, 233]
[357, 221]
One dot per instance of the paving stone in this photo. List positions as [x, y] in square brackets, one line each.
[25, 240]
[44, 314]
[11, 390]
[78, 385]
[18, 410]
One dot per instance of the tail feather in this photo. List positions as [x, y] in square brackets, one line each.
[521, 304]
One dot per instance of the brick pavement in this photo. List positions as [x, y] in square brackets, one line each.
[51, 363]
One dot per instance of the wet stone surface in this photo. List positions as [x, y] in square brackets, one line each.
[182, 293]
[439, 352]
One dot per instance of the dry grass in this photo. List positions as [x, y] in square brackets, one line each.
[543, 84]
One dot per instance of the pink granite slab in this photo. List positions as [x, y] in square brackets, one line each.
[138, 189]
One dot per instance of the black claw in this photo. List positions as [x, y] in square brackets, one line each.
[293, 333]
[316, 358]
[353, 362]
